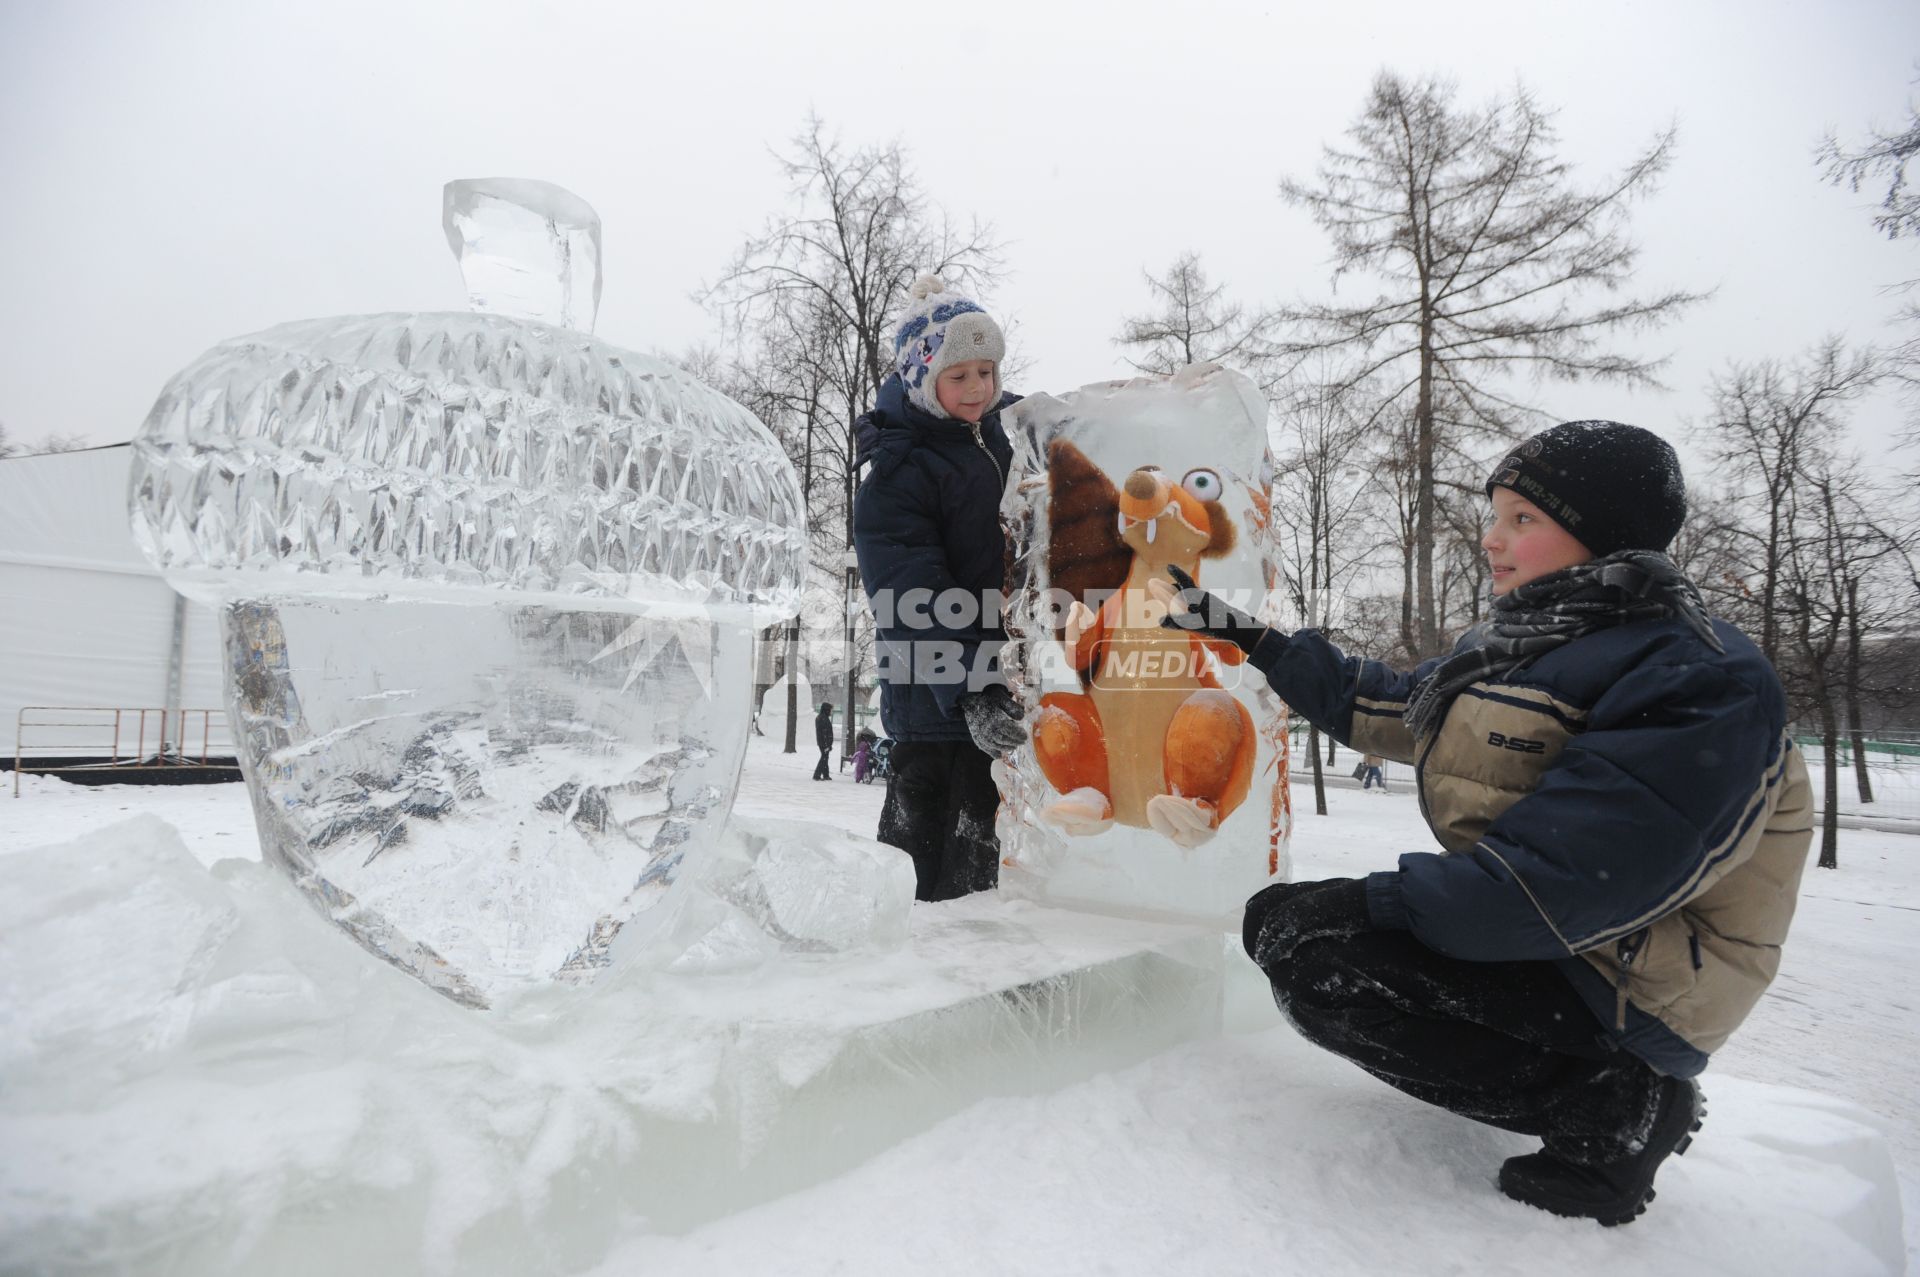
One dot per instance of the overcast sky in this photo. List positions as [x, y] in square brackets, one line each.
[174, 174]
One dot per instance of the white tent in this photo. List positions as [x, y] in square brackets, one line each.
[85, 621]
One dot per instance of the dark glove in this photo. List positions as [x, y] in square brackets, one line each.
[1287, 914]
[1211, 615]
[994, 720]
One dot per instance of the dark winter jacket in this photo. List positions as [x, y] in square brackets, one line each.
[823, 728]
[1628, 804]
[927, 518]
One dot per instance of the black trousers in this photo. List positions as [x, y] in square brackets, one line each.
[820, 771]
[940, 805]
[1510, 1044]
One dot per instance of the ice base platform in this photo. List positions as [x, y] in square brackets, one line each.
[204, 1077]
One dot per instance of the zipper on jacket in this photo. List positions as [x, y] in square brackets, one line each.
[1628, 950]
[981, 444]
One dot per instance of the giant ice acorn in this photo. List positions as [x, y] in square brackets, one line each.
[462, 453]
[487, 588]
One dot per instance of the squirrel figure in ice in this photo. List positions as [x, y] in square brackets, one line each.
[1152, 741]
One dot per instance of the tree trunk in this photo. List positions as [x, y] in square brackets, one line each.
[853, 668]
[793, 634]
[1830, 747]
[1862, 781]
[793, 688]
[1319, 778]
[1408, 639]
[1429, 623]
[849, 591]
[1769, 586]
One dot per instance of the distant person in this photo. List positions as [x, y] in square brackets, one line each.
[926, 525]
[1625, 822]
[862, 759]
[1371, 772]
[823, 736]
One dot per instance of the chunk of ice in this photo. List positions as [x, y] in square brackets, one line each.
[528, 249]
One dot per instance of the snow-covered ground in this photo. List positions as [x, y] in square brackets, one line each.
[1895, 786]
[1256, 1153]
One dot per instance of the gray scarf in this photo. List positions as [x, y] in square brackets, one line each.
[1627, 585]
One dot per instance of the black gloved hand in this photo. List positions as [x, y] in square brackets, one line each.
[1209, 614]
[1284, 916]
[994, 720]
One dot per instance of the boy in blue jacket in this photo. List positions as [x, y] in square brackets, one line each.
[1624, 821]
[926, 530]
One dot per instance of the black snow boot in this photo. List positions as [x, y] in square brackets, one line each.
[1616, 1191]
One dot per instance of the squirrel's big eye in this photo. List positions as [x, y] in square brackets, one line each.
[1204, 484]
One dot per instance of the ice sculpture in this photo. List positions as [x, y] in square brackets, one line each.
[1156, 778]
[527, 249]
[488, 589]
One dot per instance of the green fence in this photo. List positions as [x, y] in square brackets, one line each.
[1895, 750]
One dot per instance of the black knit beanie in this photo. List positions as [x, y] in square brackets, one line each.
[1613, 486]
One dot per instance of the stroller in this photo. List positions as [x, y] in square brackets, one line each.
[879, 760]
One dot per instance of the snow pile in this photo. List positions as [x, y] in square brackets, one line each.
[1260, 1155]
[204, 1076]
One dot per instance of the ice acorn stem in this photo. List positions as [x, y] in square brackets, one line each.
[528, 249]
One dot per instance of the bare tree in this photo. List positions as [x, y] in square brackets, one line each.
[1880, 602]
[1833, 547]
[1462, 590]
[1882, 157]
[1714, 549]
[859, 232]
[1457, 501]
[1398, 472]
[784, 379]
[1902, 361]
[1372, 628]
[1769, 422]
[7, 446]
[1325, 479]
[1485, 252]
[811, 295]
[1193, 322]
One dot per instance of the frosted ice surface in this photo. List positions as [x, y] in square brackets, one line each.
[286, 1082]
[788, 888]
[528, 249]
[448, 455]
[488, 590]
[1112, 482]
[483, 793]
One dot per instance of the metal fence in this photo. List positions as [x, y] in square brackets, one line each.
[1344, 772]
[55, 739]
[1891, 792]
[1890, 799]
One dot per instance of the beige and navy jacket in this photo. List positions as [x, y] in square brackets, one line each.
[1628, 804]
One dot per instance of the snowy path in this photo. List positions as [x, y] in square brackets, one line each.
[1254, 1153]
[780, 785]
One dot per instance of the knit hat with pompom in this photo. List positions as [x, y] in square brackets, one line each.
[938, 329]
